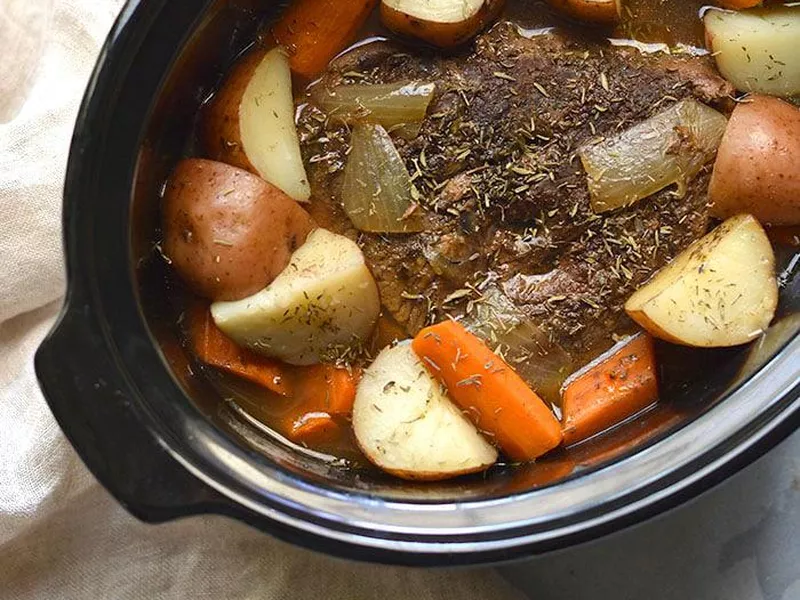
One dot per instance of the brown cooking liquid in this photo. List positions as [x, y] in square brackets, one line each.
[650, 21]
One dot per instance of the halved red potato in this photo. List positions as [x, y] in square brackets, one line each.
[721, 291]
[758, 163]
[406, 424]
[227, 232]
[605, 12]
[250, 122]
[324, 301]
[443, 23]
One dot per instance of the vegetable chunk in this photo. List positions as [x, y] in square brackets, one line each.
[250, 122]
[324, 301]
[491, 394]
[612, 388]
[406, 425]
[228, 233]
[758, 163]
[314, 31]
[720, 291]
[443, 23]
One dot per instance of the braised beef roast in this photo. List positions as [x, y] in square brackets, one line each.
[504, 193]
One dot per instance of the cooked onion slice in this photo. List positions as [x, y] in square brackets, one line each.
[376, 192]
[390, 105]
[668, 148]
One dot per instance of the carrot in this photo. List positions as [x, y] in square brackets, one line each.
[323, 393]
[490, 393]
[737, 4]
[314, 31]
[328, 388]
[313, 428]
[215, 349]
[615, 387]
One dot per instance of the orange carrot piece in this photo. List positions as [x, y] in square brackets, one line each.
[489, 392]
[328, 388]
[313, 428]
[214, 348]
[608, 392]
[314, 31]
[737, 4]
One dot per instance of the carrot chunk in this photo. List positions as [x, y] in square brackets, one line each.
[610, 390]
[215, 349]
[314, 31]
[328, 388]
[313, 428]
[489, 392]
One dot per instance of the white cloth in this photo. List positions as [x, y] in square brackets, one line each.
[61, 534]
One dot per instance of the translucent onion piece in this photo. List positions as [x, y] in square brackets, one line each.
[668, 148]
[543, 364]
[390, 105]
[376, 192]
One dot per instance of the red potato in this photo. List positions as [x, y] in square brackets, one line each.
[758, 163]
[250, 122]
[603, 12]
[443, 23]
[228, 233]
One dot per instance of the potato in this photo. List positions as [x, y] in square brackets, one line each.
[757, 49]
[406, 425]
[720, 291]
[323, 302]
[250, 122]
[228, 233]
[758, 163]
[592, 11]
[443, 23]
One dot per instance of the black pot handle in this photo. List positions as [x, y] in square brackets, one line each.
[93, 405]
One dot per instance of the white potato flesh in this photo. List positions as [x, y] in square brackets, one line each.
[407, 425]
[757, 50]
[437, 11]
[267, 127]
[324, 301]
[720, 291]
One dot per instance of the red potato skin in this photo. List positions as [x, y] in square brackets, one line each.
[220, 133]
[757, 170]
[443, 35]
[601, 12]
[259, 228]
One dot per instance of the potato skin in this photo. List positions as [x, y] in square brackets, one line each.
[602, 12]
[443, 35]
[220, 133]
[228, 233]
[757, 170]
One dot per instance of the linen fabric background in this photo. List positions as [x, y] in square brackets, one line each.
[61, 534]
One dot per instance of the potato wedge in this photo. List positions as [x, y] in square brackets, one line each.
[757, 49]
[602, 12]
[406, 425]
[227, 232]
[758, 163]
[720, 291]
[250, 122]
[443, 23]
[324, 301]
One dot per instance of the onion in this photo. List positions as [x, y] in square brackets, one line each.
[390, 105]
[376, 192]
[542, 363]
[669, 147]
